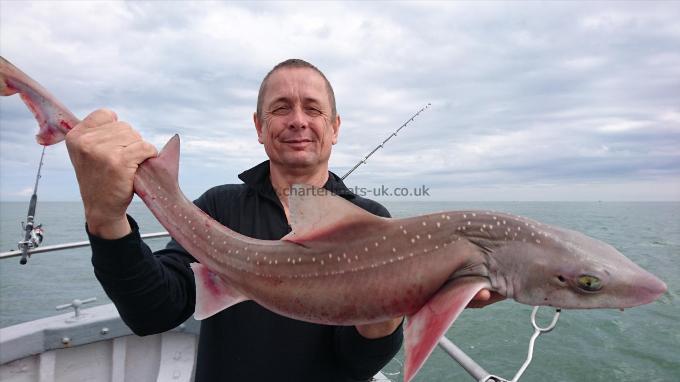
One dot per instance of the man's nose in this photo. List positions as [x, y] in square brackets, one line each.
[298, 118]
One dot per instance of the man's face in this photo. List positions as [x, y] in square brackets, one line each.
[297, 128]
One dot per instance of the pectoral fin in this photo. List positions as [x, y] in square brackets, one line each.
[424, 328]
[213, 294]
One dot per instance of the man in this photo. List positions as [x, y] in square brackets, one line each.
[297, 122]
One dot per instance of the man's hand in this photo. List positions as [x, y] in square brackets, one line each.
[485, 297]
[105, 154]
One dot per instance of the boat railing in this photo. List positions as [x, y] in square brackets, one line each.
[71, 245]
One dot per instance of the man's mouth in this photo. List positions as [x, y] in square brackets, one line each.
[297, 140]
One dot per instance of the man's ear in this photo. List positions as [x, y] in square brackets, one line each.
[336, 128]
[258, 128]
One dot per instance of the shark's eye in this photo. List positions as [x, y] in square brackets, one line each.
[589, 283]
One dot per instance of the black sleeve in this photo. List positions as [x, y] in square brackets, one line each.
[361, 357]
[152, 292]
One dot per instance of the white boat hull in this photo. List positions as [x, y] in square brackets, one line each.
[97, 347]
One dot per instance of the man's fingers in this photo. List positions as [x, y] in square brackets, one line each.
[482, 295]
[115, 134]
[100, 117]
[140, 151]
[485, 297]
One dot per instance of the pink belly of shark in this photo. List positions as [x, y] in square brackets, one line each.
[343, 266]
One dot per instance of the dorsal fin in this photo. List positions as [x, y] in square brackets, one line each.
[316, 212]
[160, 171]
[168, 157]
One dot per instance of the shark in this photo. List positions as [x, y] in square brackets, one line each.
[341, 265]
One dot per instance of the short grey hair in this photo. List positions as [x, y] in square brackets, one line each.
[294, 63]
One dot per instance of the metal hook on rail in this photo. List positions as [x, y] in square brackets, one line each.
[478, 372]
[538, 330]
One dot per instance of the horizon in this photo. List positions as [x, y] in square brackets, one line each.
[568, 101]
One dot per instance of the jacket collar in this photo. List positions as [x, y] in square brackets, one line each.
[257, 178]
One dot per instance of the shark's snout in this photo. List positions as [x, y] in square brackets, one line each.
[650, 288]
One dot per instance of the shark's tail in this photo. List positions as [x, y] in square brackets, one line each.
[55, 119]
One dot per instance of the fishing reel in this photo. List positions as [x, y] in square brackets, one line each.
[33, 237]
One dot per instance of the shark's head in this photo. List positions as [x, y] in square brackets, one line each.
[568, 269]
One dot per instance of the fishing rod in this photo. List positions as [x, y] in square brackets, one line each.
[381, 145]
[33, 235]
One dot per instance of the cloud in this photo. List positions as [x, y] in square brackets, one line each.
[525, 95]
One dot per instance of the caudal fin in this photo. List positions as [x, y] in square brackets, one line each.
[54, 119]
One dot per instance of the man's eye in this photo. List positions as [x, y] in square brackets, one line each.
[280, 110]
[313, 111]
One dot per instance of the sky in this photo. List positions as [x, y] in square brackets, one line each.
[530, 101]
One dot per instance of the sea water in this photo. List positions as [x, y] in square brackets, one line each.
[639, 344]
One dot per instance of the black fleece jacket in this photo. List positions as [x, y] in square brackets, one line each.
[155, 292]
